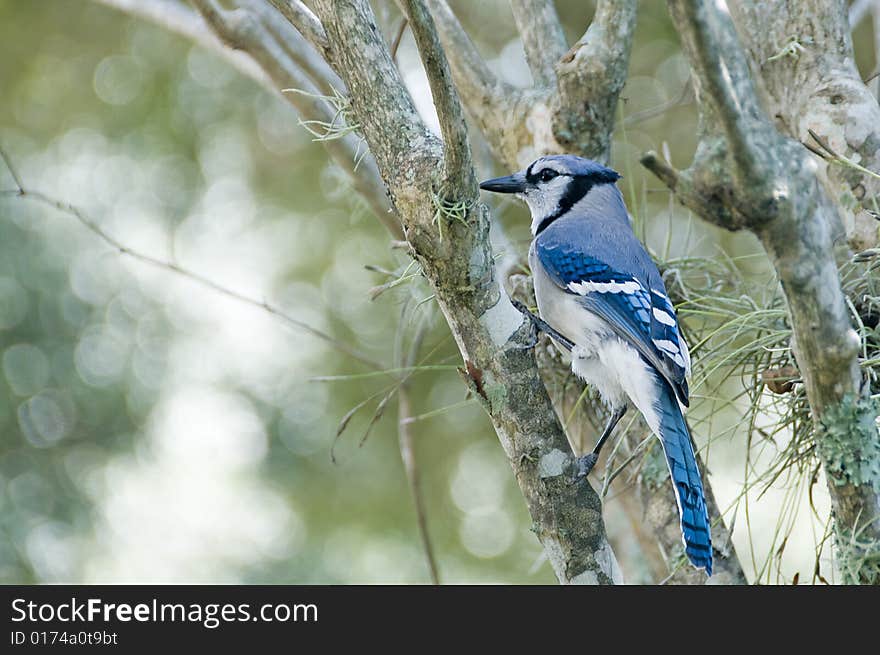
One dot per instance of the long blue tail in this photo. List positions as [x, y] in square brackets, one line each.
[682, 464]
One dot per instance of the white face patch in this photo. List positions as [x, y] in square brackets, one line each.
[544, 199]
[663, 317]
[585, 287]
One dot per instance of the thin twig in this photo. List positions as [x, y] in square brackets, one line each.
[401, 30]
[12, 171]
[686, 97]
[457, 159]
[408, 361]
[410, 466]
[123, 249]
[834, 157]
[606, 483]
[302, 18]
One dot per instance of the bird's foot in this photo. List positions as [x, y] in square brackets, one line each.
[534, 329]
[584, 465]
[540, 325]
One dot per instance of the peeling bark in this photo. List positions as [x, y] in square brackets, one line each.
[571, 112]
[747, 175]
[802, 54]
[431, 185]
[489, 332]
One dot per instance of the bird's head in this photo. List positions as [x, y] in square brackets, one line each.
[552, 185]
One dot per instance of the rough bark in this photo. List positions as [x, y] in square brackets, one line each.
[802, 54]
[571, 110]
[591, 76]
[434, 191]
[572, 113]
[747, 175]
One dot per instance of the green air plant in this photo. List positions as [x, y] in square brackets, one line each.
[446, 210]
[340, 124]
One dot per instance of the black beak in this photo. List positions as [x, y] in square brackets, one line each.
[515, 183]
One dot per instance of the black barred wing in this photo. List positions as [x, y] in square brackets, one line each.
[638, 311]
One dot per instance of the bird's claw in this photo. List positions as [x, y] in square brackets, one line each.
[520, 307]
[540, 325]
[534, 331]
[585, 464]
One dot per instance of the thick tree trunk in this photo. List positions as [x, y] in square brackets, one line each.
[746, 174]
[802, 55]
[749, 172]
[433, 188]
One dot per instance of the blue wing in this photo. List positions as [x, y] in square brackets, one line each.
[629, 295]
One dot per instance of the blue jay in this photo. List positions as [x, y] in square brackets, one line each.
[602, 299]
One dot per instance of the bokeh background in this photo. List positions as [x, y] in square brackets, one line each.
[155, 430]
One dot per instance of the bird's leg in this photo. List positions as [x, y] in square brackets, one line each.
[540, 325]
[586, 462]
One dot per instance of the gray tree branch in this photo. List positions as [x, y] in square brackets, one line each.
[457, 152]
[746, 174]
[450, 240]
[242, 30]
[497, 108]
[305, 22]
[542, 37]
[802, 54]
[590, 77]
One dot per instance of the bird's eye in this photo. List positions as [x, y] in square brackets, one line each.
[547, 174]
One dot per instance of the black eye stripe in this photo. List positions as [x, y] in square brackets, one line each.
[543, 176]
[534, 178]
[573, 193]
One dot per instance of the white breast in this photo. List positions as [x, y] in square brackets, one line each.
[600, 358]
[564, 313]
